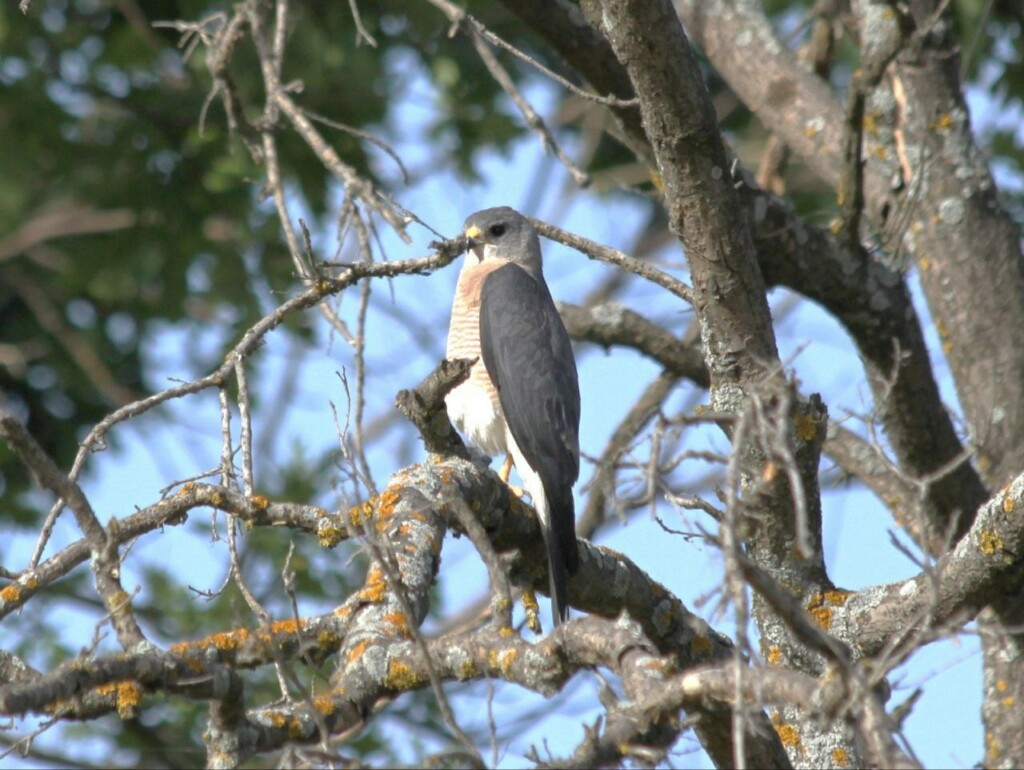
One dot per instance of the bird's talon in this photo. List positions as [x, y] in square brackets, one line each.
[532, 611]
[506, 470]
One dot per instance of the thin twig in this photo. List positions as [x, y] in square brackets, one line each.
[602, 253]
[533, 120]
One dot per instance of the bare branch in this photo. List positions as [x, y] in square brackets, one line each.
[103, 548]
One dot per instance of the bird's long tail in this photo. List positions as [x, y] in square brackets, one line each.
[558, 578]
[558, 517]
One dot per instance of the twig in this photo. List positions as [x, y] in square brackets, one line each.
[459, 17]
[533, 120]
[106, 564]
[361, 33]
[612, 256]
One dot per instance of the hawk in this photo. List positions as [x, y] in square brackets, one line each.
[522, 398]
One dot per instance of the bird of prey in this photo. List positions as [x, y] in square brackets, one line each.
[522, 398]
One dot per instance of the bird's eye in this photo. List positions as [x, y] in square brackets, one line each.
[496, 230]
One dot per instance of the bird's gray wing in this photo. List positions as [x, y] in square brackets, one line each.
[529, 358]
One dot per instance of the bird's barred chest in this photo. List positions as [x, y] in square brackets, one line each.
[473, 406]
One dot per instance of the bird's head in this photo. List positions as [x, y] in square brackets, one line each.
[504, 233]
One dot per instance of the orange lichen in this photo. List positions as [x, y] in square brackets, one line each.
[1008, 701]
[329, 535]
[376, 585]
[502, 661]
[356, 652]
[837, 598]
[11, 593]
[1001, 685]
[1009, 504]
[325, 705]
[840, 758]
[399, 621]
[327, 640]
[276, 719]
[358, 514]
[189, 654]
[127, 696]
[774, 655]
[822, 616]
[230, 640]
[832, 598]
[806, 427]
[187, 488]
[117, 601]
[506, 632]
[788, 735]
[701, 645]
[820, 606]
[505, 660]
[943, 123]
[990, 542]
[389, 499]
[259, 502]
[993, 747]
[656, 665]
[466, 669]
[401, 676]
[289, 626]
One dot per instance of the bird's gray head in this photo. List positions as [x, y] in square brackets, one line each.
[504, 233]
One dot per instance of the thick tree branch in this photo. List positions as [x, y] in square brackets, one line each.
[986, 564]
[613, 324]
[739, 344]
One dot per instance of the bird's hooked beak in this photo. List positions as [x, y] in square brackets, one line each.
[474, 237]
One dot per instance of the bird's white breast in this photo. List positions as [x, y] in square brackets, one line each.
[474, 414]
